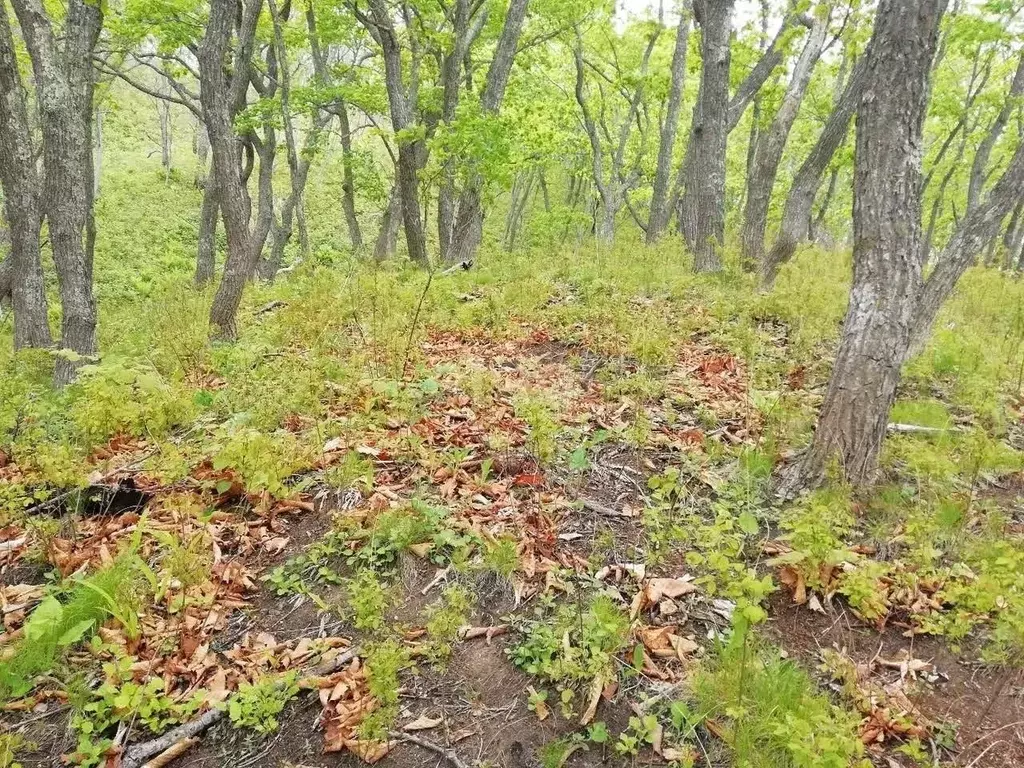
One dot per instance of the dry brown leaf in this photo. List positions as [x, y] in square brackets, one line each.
[656, 589]
[596, 688]
[423, 723]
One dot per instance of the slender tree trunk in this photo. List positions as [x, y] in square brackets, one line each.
[978, 227]
[771, 144]
[201, 148]
[800, 200]
[64, 89]
[702, 209]
[469, 221]
[164, 113]
[384, 247]
[21, 277]
[348, 186]
[886, 253]
[97, 153]
[297, 183]
[409, 150]
[660, 212]
[206, 253]
[979, 167]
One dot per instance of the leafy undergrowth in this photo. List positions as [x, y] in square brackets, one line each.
[535, 523]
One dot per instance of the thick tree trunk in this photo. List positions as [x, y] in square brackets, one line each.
[64, 89]
[771, 144]
[702, 208]
[886, 253]
[657, 222]
[800, 200]
[469, 221]
[206, 253]
[22, 275]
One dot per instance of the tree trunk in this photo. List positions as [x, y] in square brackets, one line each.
[348, 186]
[979, 167]
[201, 148]
[800, 200]
[657, 221]
[21, 277]
[702, 209]
[164, 112]
[206, 253]
[220, 92]
[384, 247]
[64, 89]
[978, 227]
[409, 149]
[886, 253]
[469, 221]
[97, 153]
[771, 144]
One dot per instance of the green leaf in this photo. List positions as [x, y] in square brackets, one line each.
[44, 619]
[748, 523]
[75, 633]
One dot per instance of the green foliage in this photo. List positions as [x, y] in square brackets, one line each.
[70, 613]
[257, 705]
[444, 620]
[538, 414]
[595, 634]
[384, 663]
[368, 600]
[776, 717]
[262, 461]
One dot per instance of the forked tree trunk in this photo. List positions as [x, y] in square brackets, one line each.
[657, 221]
[772, 142]
[409, 149]
[979, 166]
[886, 254]
[702, 208]
[219, 92]
[21, 274]
[64, 89]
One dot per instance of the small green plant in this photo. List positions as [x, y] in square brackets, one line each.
[539, 416]
[368, 600]
[257, 705]
[383, 665]
[641, 731]
[444, 619]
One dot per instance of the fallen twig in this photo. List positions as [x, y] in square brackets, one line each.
[7, 546]
[447, 754]
[601, 509]
[912, 429]
[138, 754]
[170, 754]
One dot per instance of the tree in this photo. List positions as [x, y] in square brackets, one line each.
[702, 209]
[64, 80]
[660, 211]
[21, 186]
[770, 143]
[222, 95]
[887, 268]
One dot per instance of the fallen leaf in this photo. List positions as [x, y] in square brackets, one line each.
[423, 723]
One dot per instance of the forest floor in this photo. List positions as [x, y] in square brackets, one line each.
[496, 522]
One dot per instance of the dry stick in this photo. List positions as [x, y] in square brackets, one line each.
[447, 754]
[169, 755]
[415, 320]
[136, 756]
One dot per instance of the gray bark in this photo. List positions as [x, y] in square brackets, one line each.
[221, 95]
[296, 175]
[64, 80]
[469, 220]
[164, 113]
[384, 247]
[979, 226]
[979, 167]
[380, 26]
[21, 274]
[887, 270]
[772, 142]
[702, 208]
[800, 201]
[206, 252]
[660, 212]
